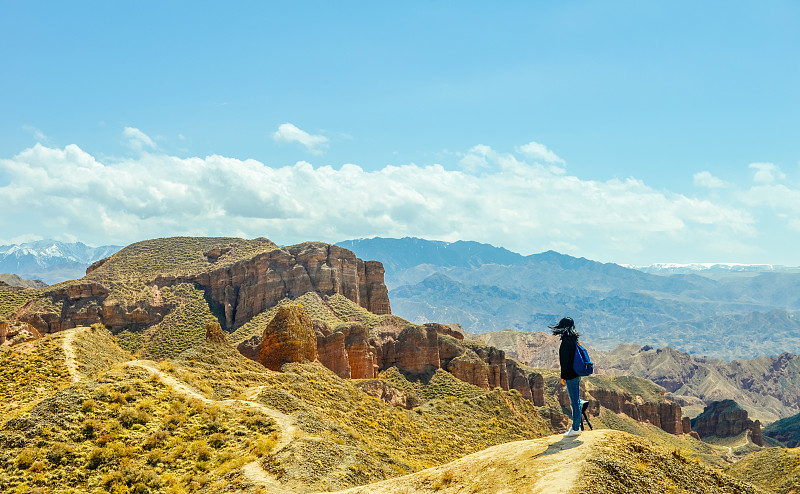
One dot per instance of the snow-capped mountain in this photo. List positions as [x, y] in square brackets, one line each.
[711, 267]
[50, 260]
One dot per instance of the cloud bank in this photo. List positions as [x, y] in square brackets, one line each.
[501, 198]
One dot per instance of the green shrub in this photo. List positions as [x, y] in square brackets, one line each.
[264, 445]
[217, 439]
[88, 405]
[204, 453]
[58, 453]
[257, 421]
[95, 458]
[154, 440]
[90, 428]
[129, 416]
[25, 458]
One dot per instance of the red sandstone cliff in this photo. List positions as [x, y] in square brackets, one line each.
[664, 415]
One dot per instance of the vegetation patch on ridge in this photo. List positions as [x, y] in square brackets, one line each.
[183, 327]
[775, 469]
[630, 464]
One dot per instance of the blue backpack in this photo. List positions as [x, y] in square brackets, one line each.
[583, 365]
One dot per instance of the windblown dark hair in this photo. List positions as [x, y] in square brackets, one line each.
[565, 327]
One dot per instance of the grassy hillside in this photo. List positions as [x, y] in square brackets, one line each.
[131, 268]
[211, 420]
[29, 373]
[622, 464]
[775, 469]
[14, 297]
[787, 431]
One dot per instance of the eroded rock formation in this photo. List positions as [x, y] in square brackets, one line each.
[665, 415]
[289, 337]
[251, 286]
[13, 333]
[239, 291]
[726, 418]
[214, 333]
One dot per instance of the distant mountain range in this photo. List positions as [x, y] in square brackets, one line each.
[720, 310]
[51, 261]
[711, 268]
[485, 288]
[767, 387]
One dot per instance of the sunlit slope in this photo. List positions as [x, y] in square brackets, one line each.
[82, 412]
[776, 469]
[601, 461]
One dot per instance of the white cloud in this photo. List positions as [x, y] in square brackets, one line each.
[522, 206]
[777, 197]
[289, 133]
[38, 134]
[21, 239]
[538, 151]
[766, 173]
[475, 159]
[137, 139]
[706, 179]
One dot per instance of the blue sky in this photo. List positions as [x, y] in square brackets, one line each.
[631, 132]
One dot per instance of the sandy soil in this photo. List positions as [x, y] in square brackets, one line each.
[539, 466]
[69, 353]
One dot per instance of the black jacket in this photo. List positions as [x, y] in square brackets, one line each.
[566, 356]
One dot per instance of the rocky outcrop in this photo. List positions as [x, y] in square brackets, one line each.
[388, 393]
[289, 337]
[724, 419]
[470, 368]
[251, 347]
[87, 303]
[665, 415]
[330, 349]
[214, 333]
[249, 287]
[536, 383]
[372, 291]
[239, 291]
[518, 379]
[496, 360]
[13, 333]
[361, 356]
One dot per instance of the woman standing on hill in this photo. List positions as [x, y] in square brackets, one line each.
[566, 357]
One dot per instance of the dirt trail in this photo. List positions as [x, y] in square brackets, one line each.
[287, 427]
[69, 353]
[540, 466]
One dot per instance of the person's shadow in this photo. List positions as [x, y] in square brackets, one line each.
[562, 444]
